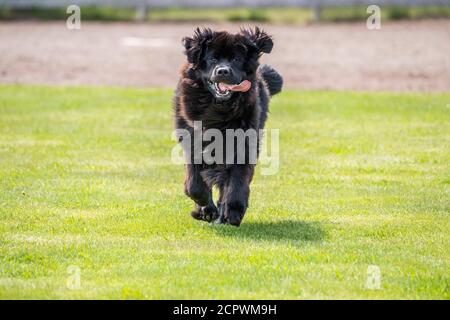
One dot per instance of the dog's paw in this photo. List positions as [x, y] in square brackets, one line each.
[232, 213]
[208, 213]
[198, 214]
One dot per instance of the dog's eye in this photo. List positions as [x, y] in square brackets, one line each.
[213, 60]
[236, 59]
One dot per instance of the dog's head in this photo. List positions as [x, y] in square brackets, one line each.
[226, 63]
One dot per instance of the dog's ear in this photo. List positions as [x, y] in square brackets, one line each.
[195, 47]
[260, 39]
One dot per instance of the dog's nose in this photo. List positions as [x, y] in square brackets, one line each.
[223, 71]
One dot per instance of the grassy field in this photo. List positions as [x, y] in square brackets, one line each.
[269, 15]
[86, 180]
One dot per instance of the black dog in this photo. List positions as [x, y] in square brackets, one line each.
[224, 87]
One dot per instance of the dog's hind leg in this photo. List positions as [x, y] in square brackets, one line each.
[197, 190]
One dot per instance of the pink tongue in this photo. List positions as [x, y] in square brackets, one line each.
[244, 86]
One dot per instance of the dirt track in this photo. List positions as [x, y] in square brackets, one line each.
[403, 56]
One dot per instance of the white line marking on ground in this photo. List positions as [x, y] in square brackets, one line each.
[145, 42]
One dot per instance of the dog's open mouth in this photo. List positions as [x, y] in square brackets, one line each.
[224, 90]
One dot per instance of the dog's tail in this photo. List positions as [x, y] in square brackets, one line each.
[272, 77]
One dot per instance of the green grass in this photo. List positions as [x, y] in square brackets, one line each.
[272, 15]
[275, 15]
[86, 180]
[87, 13]
[359, 13]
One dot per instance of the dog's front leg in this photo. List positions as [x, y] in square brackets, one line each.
[233, 200]
[197, 190]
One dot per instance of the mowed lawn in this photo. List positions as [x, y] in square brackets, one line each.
[86, 181]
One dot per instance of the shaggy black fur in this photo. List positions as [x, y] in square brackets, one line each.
[196, 99]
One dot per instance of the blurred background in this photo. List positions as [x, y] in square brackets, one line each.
[319, 44]
[87, 182]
